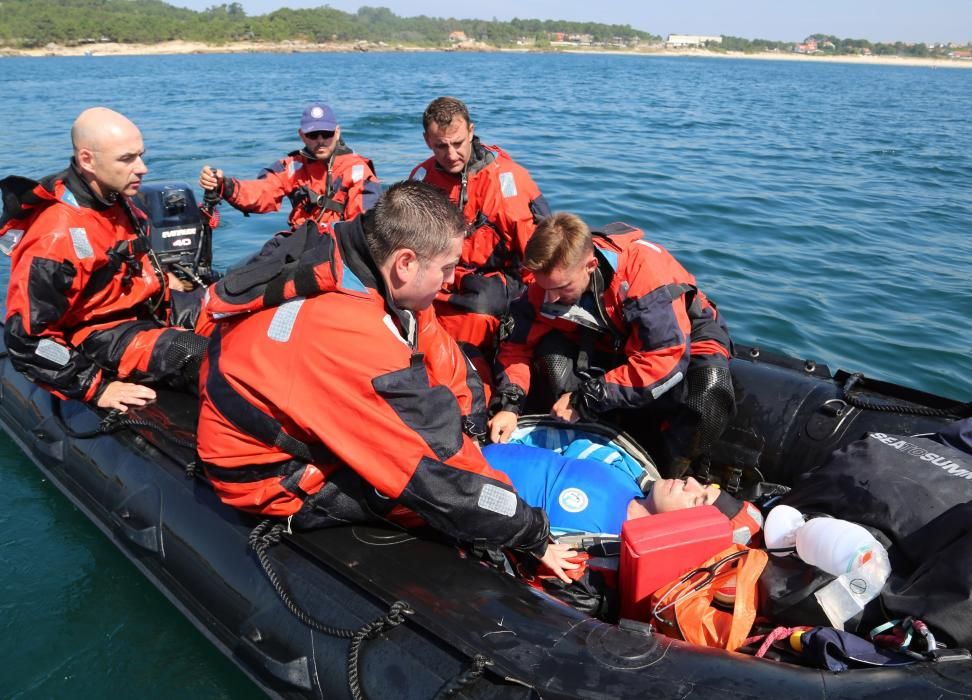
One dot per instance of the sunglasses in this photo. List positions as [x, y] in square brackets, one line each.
[317, 135]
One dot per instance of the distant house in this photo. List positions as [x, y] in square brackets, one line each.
[960, 54]
[683, 41]
[457, 36]
[809, 45]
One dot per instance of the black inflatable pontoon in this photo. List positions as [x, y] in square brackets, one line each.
[472, 630]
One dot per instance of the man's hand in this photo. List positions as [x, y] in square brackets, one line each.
[177, 284]
[564, 411]
[557, 559]
[501, 426]
[210, 179]
[121, 395]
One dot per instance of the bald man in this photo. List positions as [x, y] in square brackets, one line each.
[89, 307]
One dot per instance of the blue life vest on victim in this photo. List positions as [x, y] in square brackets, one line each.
[578, 495]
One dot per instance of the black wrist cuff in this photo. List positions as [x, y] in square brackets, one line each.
[475, 427]
[229, 188]
[585, 398]
[511, 398]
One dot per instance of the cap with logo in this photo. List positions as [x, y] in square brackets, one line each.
[318, 117]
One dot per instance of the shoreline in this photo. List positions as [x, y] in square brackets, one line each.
[191, 47]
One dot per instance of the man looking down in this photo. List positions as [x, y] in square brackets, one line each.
[348, 406]
[613, 324]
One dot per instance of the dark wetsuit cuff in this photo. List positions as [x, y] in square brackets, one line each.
[103, 383]
[511, 398]
[475, 427]
[587, 395]
[538, 547]
[229, 188]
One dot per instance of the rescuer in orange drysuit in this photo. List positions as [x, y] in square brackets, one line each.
[349, 405]
[611, 323]
[325, 180]
[90, 314]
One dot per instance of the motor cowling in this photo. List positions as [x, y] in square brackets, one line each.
[180, 235]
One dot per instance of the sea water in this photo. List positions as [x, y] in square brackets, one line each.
[827, 209]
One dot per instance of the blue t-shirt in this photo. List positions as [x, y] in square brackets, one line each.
[578, 495]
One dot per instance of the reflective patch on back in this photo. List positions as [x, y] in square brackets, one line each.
[284, 318]
[419, 174]
[507, 184]
[68, 197]
[82, 246]
[650, 245]
[497, 500]
[357, 172]
[54, 352]
[10, 239]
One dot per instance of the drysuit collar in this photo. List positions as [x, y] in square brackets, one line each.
[79, 187]
[357, 257]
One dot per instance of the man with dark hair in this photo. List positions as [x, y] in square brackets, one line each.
[502, 205]
[348, 405]
[89, 312]
[325, 180]
[613, 323]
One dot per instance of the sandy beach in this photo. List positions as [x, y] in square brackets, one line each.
[189, 47]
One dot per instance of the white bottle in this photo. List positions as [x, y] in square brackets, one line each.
[835, 546]
[780, 528]
[839, 547]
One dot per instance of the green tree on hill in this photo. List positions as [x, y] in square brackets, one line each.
[36, 23]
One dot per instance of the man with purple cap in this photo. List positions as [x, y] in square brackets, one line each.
[325, 180]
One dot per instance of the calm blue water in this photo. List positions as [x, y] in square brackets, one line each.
[826, 208]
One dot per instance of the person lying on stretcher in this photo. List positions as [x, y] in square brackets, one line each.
[587, 495]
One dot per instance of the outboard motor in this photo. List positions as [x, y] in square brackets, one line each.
[181, 237]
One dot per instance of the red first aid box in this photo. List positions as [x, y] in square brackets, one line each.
[658, 549]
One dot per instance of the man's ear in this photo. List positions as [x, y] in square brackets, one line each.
[591, 263]
[85, 158]
[404, 264]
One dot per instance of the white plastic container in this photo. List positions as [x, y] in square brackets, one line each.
[839, 547]
[835, 546]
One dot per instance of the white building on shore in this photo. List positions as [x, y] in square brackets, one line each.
[683, 41]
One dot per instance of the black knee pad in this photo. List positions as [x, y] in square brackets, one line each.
[712, 399]
[554, 369]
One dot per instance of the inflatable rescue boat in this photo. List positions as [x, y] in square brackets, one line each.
[372, 612]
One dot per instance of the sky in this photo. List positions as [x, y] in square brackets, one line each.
[778, 20]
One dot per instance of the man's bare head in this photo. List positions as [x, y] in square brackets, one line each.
[108, 150]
